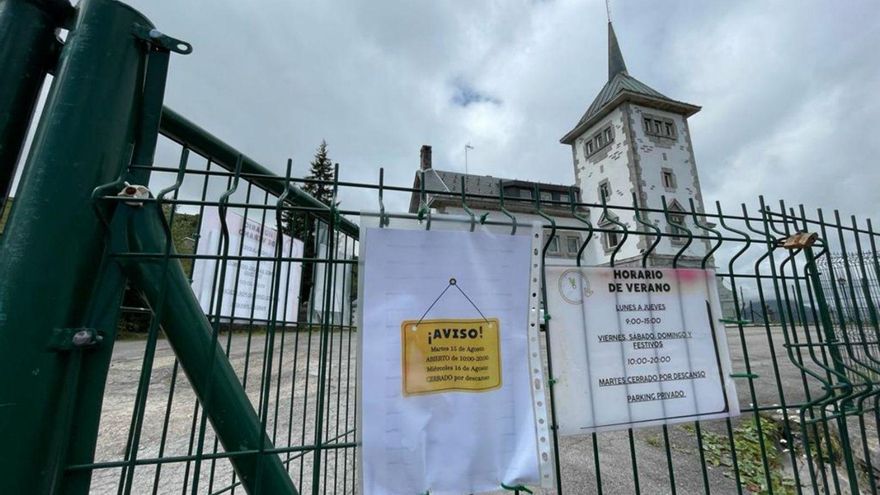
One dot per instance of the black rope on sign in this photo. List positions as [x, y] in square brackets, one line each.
[452, 283]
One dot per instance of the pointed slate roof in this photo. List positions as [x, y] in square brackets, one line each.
[623, 87]
[616, 65]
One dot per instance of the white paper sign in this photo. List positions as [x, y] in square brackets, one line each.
[249, 283]
[637, 347]
[451, 387]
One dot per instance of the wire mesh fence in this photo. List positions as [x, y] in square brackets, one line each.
[290, 344]
[282, 305]
[234, 364]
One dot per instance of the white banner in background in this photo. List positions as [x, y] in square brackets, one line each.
[339, 302]
[252, 294]
[637, 347]
[449, 358]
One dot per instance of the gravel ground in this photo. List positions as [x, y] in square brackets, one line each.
[294, 399]
[292, 404]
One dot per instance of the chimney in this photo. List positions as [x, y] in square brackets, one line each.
[425, 157]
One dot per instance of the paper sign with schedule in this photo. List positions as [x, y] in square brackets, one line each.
[637, 347]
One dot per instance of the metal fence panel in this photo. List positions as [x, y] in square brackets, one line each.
[178, 396]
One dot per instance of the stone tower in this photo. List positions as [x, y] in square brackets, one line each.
[635, 141]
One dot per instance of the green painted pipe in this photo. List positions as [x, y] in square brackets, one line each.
[52, 247]
[27, 44]
[191, 336]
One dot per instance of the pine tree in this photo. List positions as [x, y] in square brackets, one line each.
[303, 226]
[321, 170]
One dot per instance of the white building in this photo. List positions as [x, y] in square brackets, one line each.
[634, 142]
[632, 145]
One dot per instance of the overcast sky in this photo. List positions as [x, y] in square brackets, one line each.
[789, 91]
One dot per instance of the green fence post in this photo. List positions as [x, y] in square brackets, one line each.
[27, 49]
[53, 242]
[837, 359]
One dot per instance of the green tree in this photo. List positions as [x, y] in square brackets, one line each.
[321, 169]
[302, 225]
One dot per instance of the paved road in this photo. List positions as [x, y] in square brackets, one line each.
[294, 399]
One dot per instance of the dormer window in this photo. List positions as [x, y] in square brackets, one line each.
[660, 127]
[676, 224]
[517, 192]
[610, 239]
[553, 249]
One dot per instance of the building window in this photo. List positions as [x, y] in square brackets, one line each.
[599, 140]
[572, 245]
[660, 127]
[546, 196]
[553, 250]
[676, 217]
[564, 244]
[604, 191]
[610, 239]
[517, 192]
[667, 178]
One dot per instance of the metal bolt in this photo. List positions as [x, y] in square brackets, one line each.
[134, 191]
[82, 338]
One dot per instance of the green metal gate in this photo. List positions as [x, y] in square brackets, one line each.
[118, 379]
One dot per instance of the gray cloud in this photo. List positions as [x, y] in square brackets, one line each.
[787, 88]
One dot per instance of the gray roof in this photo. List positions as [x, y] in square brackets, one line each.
[620, 87]
[487, 185]
[451, 181]
[616, 64]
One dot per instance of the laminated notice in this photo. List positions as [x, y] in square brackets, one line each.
[443, 355]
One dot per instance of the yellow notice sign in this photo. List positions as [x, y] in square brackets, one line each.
[450, 354]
